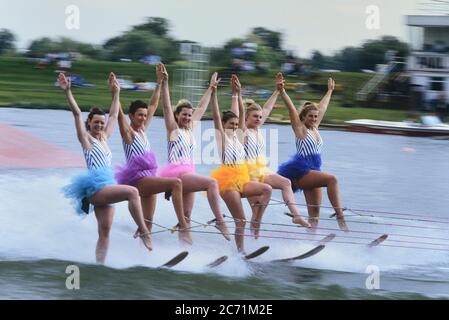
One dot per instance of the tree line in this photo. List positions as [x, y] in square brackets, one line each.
[153, 38]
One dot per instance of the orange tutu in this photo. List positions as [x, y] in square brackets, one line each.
[257, 168]
[231, 178]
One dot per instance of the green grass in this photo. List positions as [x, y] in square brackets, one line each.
[24, 85]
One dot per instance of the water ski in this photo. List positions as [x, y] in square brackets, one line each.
[327, 238]
[378, 241]
[308, 254]
[257, 253]
[217, 262]
[174, 261]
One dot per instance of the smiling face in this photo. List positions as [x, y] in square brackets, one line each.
[254, 119]
[184, 117]
[231, 125]
[97, 124]
[311, 118]
[138, 118]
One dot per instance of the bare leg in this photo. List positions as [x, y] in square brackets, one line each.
[253, 201]
[278, 182]
[105, 216]
[188, 200]
[148, 207]
[313, 200]
[153, 185]
[194, 183]
[263, 191]
[317, 179]
[118, 193]
[234, 204]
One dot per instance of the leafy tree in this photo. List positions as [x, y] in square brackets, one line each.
[42, 46]
[373, 51]
[136, 44]
[317, 60]
[7, 40]
[272, 39]
[156, 25]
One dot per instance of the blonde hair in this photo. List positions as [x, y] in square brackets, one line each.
[183, 103]
[250, 105]
[306, 107]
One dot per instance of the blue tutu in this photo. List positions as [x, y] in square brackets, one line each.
[86, 185]
[298, 166]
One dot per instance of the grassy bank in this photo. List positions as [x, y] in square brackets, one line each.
[24, 85]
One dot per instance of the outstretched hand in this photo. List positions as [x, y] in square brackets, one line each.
[214, 81]
[330, 84]
[280, 82]
[160, 76]
[64, 82]
[235, 84]
[114, 86]
[162, 73]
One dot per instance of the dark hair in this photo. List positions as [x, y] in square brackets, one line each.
[93, 111]
[183, 103]
[228, 115]
[306, 107]
[135, 105]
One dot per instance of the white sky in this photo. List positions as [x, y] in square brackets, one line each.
[326, 25]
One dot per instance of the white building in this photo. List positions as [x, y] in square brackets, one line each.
[428, 62]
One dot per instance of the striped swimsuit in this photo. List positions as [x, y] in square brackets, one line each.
[138, 147]
[140, 161]
[255, 159]
[307, 157]
[310, 149]
[181, 149]
[232, 175]
[99, 175]
[234, 152]
[254, 145]
[99, 156]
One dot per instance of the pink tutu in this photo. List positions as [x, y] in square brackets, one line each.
[176, 170]
[135, 169]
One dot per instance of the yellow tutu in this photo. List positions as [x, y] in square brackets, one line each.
[257, 168]
[231, 178]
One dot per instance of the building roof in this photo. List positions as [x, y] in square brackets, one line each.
[427, 21]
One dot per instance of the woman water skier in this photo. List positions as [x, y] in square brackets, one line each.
[141, 166]
[254, 145]
[97, 186]
[181, 143]
[304, 168]
[232, 176]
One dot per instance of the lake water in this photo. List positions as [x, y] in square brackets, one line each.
[41, 236]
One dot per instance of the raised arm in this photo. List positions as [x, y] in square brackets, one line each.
[241, 109]
[125, 129]
[268, 106]
[205, 99]
[324, 103]
[114, 86]
[293, 113]
[81, 131]
[216, 111]
[170, 121]
[154, 101]
[236, 92]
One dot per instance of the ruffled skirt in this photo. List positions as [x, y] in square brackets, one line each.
[257, 168]
[298, 166]
[176, 170]
[84, 186]
[135, 169]
[231, 178]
